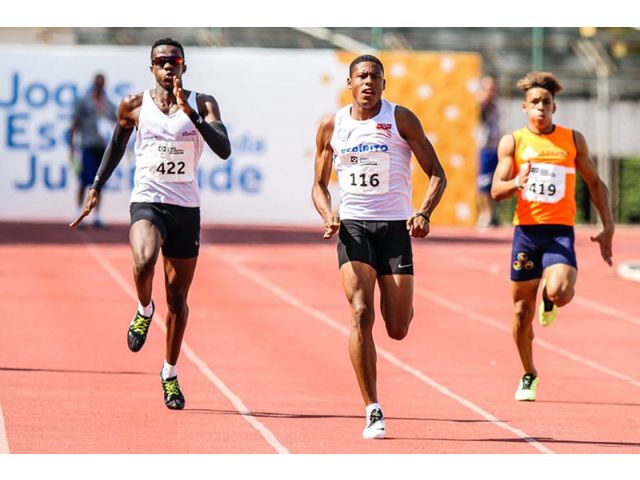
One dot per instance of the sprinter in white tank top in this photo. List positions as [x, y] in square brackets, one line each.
[173, 125]
[370, 142]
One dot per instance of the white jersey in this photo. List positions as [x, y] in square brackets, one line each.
[168, 149]
[373, 163]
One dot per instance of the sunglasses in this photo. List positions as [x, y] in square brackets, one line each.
[162, 61]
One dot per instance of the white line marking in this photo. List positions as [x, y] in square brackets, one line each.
[318, 315]
[459, 309]
[191, 355]
[629, 270]
[612, 312]
[4, 441]
[469, 262]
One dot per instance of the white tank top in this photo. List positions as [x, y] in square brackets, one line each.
[373, 163]
[168, 149]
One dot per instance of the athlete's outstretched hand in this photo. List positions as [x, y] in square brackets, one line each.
[418, 226]
[605, 239]
[178, 92]
[92, 201]
[331, 226]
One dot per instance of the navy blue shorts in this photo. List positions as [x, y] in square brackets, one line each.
[535, 247]
[91, 158]
[488, 164]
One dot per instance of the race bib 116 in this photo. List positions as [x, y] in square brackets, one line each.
[365, 173]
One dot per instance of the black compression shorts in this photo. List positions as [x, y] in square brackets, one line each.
[385, 245]
[179, 226]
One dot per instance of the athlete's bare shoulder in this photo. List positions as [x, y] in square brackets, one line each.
[327, 123]
[208, 107]
[325, 131]
[129, 110]
[408, 123]
[402, 112]
[506, 148]
[131, 102]
[204, 97]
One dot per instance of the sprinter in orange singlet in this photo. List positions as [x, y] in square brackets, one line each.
[538, 163]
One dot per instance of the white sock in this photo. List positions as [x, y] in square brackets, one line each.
[146, 311]
[371, 407]
[169, 371]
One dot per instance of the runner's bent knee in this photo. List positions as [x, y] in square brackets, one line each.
[562, 295]
[398, 330]
[143, 263]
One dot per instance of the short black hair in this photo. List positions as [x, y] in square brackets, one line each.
[365, 58]
[167, 41]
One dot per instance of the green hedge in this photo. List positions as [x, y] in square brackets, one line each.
[629, 201]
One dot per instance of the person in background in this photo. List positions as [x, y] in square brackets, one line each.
[538, 163]
[93, 119]
[490, 120]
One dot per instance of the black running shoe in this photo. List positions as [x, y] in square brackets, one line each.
[173, 397]
[138, 329]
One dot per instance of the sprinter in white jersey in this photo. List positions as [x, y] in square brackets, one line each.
[173, 125]
[370, 143]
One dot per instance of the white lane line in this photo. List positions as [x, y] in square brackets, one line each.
[4, 441]
[460, 310]
[191, 355]
[629, 270]
[330, 322]
[605, 309]
[494, 269]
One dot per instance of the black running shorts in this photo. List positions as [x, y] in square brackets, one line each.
[179, 226]
[385, 245]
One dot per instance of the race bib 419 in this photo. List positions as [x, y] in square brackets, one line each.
[546, 183]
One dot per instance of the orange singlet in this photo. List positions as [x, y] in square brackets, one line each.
[549, 196]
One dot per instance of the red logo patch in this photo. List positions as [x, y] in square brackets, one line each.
[383, 126]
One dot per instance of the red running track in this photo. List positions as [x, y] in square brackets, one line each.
[266, 369]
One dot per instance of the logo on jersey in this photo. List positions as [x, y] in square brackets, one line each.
[368, 147]
[529, 153]
[188, 134]
[383, 126]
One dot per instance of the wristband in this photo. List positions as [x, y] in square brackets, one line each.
[424, 215]
[518, 181]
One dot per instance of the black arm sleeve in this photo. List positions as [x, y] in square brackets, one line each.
[214, 134]
[112, 156]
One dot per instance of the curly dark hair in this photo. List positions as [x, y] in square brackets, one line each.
[167, 41]
[544, 80]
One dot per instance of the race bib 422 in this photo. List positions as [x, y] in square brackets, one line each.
[174, 162]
